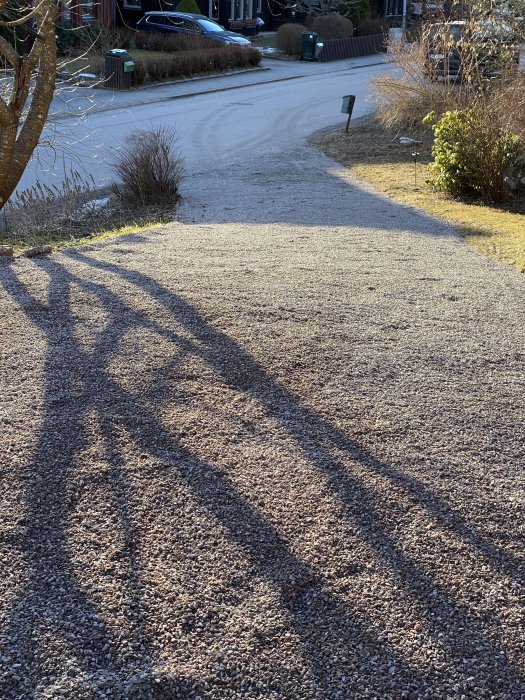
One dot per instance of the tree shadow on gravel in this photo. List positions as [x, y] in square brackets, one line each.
[53, 606]
[319, 617]
[300, 188]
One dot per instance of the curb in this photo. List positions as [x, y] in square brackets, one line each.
[98, 83]
[193, 93]
[257, 69]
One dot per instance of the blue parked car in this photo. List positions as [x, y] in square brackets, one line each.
[190, 25]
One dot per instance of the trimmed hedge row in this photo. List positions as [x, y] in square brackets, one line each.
[184, 64]
[170, 43]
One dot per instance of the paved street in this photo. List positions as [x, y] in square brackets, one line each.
[220, 120]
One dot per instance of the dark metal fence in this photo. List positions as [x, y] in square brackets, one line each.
[350, 47]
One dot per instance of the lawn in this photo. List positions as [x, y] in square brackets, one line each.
[264, 41]
[63, 221]
[377, 156]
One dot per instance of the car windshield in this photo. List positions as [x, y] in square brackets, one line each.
[210, 26]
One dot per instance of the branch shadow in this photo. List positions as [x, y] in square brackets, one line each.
[56, 635]
[318, 616]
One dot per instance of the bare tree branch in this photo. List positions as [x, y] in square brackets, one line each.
[8, 51]
[21, 20]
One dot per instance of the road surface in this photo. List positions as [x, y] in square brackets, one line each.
[233, 123]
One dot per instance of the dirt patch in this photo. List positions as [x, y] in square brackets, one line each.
[367, 142]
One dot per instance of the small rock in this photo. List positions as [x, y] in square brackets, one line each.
[37, 250]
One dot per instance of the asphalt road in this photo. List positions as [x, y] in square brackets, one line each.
[219, 121]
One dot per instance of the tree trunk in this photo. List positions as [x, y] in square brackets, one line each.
[24, 109]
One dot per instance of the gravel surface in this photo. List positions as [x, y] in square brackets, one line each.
[274, 450]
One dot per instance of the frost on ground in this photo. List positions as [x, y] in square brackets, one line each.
[273, 453]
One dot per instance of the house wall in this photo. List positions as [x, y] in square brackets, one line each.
[128, 13]
[109, 13]
[104, 14]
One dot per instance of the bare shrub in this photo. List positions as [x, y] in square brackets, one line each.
[289, 38]
[153, 41]
[238, 56]
[472, 51]
[170, 43]
[403, 100]
[333, 27]
[186, 42]
[460, 74]
[254, 56]
[158, 67]
[402, 104]
[149, 168]
[122, 38]
[93, 38]
[508, 102]
[188, 63]
[96, 65]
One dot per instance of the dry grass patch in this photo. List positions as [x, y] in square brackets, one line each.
[67, 219]
[376, 156]
[265, 41]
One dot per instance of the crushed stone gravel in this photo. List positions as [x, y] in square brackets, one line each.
[273, 450]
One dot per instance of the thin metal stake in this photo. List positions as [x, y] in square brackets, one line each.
[415, 156]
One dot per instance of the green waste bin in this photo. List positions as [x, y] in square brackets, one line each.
[119, 69]
[308, 44]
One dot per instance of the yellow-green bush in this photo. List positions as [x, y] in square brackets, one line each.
[473, 155]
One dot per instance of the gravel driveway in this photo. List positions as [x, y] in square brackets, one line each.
[274, 450]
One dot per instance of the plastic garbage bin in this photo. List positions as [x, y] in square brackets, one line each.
[308, 44]
[119, 69]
